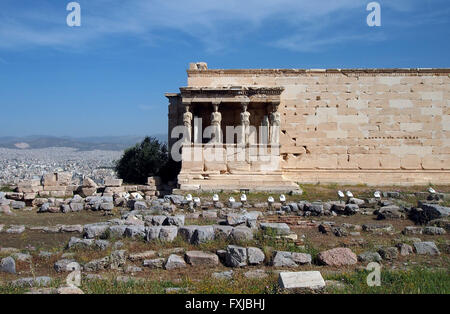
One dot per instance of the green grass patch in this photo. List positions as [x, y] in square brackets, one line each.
[6, 188]
[414, 281]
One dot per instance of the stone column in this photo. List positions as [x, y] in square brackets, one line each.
[216, 120]
[245, 124]
[187, 121]
[275, 124]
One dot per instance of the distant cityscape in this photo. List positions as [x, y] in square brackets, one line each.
[23, 158]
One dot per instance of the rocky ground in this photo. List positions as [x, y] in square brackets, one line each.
[130, 244]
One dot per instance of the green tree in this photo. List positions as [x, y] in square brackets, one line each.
[149, 158]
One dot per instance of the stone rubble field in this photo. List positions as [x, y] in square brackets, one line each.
[167, 244]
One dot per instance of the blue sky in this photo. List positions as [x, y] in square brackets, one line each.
[109, 76]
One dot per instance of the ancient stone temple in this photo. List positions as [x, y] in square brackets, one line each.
[270, 129]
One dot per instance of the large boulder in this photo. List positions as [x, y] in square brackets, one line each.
[241, 234]
[42, 281]
[117, 231]
[140, 205]
[412, 230]
[95, 230]
[18, 205]
[236, 256]
[174, 262]
[405, 249]
[290, 259]
[135, 231]
[428, 248]
[154, 263]
[15, 229]
[368, 257]
[351, 209]
[152, 233]
[202, 234]
[428, 211]
[117, 259]
[177, 220]
[8, 265]
[255, 256]
[388, 253]
[337, 257]
[168, 233]
[186, 232]
[430, 230]
[283, 259]
[234, 219]
[390, 212]
[66, 265]
[97, 264]
[276, 228]
[174, 199]
[222, 231]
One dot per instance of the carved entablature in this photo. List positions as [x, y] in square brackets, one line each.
[238, 94]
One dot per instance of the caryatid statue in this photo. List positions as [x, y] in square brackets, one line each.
[187, 121]
[264, 133]
[245, 123]
[275, 123]
[216, 119]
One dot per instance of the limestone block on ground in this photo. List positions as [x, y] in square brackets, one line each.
[174, 262]
[18, 205]
[388, 253]
[241, 234]
[66, 265]
[42, 281]
[426, 248]
[186, 232]
[301, 280]
[111, 182]
[221, 231]
[142, 255]
[405, 249]
[290, 259]
[199, 258]
[168, 233]
[152, 233]
[411, 230]
[154, 263]
[255, 256]
[337, 257]
[236, 256]
[8, 265]
[95, 230]
[15, 229]
[202, 234]
[135, 231]
[430, 230]
[49, 179]
[255, 274]
[368, 257]
[276, 228]
[177, 220]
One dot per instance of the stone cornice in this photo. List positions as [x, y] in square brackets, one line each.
[231, 94]
[296, 72]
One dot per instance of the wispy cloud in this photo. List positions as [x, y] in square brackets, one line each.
[216, 24]
[146, 107]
